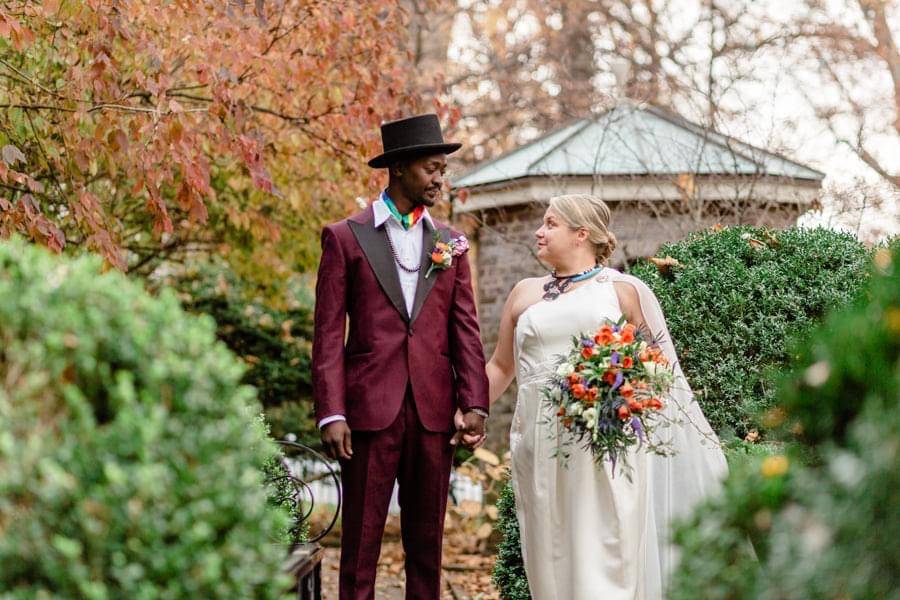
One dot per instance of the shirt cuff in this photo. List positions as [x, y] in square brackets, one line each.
[331, 419]
[479, 412]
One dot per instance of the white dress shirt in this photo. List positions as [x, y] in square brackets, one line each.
[408, 244]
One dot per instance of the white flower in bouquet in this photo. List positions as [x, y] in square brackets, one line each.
[652, 368]
[590, 418]
[565, 369]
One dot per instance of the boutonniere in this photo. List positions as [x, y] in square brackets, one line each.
[443, 252]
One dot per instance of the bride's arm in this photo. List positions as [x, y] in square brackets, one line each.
[501, 367]
[630, 303]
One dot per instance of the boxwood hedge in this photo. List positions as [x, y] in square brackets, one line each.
[130, 456]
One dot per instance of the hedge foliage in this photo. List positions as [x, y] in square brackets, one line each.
[130, 455]
[275, 342]
[824, 517]
[509, 568]
[736, 300]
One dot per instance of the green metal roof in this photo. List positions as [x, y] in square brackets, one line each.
[632, 140]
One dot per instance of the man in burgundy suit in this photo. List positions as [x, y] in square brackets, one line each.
[409, 372]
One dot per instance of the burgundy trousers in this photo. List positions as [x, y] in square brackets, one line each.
[420, 461]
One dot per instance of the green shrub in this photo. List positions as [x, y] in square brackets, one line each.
[738, 297]
[283, 491]
[130, 455]
[825, 517]
[509, 569]
[274, 342]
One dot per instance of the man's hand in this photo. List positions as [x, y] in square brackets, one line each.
[336, 440]
[460, 425]
[472, 430]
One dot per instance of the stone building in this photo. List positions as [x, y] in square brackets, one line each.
[662, 176]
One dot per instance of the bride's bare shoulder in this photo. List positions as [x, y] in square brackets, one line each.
[524, 294]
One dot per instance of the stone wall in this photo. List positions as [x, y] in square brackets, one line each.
[504, 246]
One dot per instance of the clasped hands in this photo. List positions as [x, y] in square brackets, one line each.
[469, 430]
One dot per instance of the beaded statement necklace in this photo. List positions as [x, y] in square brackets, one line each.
[406, 221]
[558, 284]
[397, 260]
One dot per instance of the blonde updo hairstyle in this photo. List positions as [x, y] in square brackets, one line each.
[591, 213]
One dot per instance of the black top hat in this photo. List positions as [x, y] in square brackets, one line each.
[410, 137]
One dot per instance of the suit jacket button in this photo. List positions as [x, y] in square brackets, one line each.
[410, 331]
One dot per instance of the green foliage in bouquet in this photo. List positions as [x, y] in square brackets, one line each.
[824, 518]
[735, 299]
[275, 342]
[509, 569]
[131, 456]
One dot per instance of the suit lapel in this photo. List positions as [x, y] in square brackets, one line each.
[423, 287]
[374, 244]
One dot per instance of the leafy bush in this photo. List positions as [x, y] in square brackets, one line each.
[509, 569]
[283, 491]
[274, 342]
[736, 299]
[824, 518]
[130, 455]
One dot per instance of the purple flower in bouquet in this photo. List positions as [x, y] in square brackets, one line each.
[637, 427]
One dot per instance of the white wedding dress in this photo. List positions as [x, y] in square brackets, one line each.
[589, 534]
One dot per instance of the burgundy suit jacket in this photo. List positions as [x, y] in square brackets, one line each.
[437, 349]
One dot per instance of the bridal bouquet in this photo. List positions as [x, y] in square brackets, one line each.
[607, 391]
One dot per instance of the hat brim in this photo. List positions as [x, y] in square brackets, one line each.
[385, 160]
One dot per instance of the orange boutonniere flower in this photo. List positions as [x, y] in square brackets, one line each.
[443, 252]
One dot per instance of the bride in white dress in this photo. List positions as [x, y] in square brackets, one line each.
[588, 533]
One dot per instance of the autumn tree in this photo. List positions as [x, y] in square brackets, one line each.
[527, 66]
[848, 69]
[148, 131]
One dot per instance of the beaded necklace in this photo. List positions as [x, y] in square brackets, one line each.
[558, 284]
